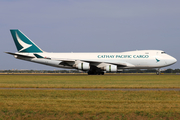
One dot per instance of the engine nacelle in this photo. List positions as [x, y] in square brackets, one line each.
[83, 66]
[111, 68]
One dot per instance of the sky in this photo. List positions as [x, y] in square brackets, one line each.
[90, 26]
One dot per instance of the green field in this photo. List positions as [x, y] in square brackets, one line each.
[93, 105]
[85, 81]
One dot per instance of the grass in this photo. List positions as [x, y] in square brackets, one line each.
[50, 104]
[85, 81]
[89, 105]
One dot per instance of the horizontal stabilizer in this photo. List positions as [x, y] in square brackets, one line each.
[19, 55]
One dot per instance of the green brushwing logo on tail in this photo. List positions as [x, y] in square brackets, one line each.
[23, 43]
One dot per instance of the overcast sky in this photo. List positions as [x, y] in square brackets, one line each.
[90, 26]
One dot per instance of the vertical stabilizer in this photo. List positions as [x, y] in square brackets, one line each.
[23, 43]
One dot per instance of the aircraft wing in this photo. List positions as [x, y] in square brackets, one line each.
[66, 61]
[95, 62]
[112, 63]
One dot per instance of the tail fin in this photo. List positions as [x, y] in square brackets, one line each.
[23, 43]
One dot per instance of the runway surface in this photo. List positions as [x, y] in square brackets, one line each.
[98, 89]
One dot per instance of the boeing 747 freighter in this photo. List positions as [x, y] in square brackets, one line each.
[93, 63]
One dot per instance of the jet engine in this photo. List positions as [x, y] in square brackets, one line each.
[83, 66]
[111, 68]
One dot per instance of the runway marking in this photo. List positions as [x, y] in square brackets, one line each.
[98, 89]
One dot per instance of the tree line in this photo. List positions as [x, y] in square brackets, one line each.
[79, 71]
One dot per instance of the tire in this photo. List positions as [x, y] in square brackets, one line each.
[157, 73]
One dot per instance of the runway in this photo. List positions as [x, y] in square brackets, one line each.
[98, 89]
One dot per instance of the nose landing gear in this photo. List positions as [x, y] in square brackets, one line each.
[158, 71]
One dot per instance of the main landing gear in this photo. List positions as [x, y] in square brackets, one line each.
[158, 71]
[95, 73]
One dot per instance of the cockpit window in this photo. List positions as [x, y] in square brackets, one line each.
[163, 52]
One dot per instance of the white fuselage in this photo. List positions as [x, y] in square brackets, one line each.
[142, 59]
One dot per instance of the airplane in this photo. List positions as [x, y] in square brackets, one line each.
[92, 63]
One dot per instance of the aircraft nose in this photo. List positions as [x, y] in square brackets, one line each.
[175, 60]
[172, 60]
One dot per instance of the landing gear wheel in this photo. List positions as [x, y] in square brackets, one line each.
[95, 73]
[157, 73]
[89, 73]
